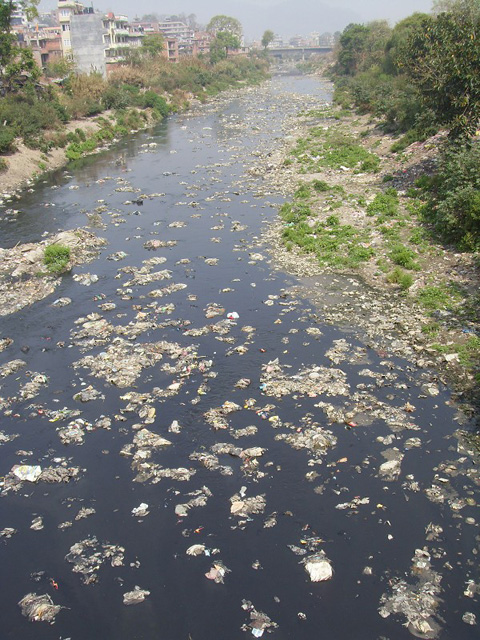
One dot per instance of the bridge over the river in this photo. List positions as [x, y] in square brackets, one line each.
[297, 53]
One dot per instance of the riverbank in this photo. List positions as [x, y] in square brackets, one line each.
[175, 417]
[134, 98]
[355, 214]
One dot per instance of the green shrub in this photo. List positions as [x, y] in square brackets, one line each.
[454, 203]
[116, 97]
[332, 221]
[405, 141]
[384, 204]
[433, 298]
[81, 134]
[303, 192]
[3, 165]
[7, 139]
[370, 165]
[404, 257]
[153, 101]
[56, 257]
[93, 108]
[400, 277]
[320, 186]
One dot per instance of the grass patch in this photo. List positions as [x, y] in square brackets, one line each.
[332, 243]
[404, 257]
[433, 298]
[400, 277]
[384, 205]
[333, 149]
[321, 186]
[56, 258]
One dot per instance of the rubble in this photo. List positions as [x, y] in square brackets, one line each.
[39, 608]
[88, 555]
[20, 285]
[135, 597]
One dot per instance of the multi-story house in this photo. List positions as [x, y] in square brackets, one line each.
[102, 42]
[67, 9]
[46, 45]
[120, 37]
[171, 48]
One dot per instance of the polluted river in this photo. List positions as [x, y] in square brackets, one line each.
[189, 451]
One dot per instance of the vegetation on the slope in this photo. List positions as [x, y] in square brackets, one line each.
[36, 113]
[418, 77]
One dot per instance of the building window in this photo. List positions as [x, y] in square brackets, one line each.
[65, 27]
[67, 43]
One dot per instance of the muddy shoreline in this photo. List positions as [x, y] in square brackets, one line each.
[389, 317]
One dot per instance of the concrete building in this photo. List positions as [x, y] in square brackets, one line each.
[101, 42]
[87, 45]
[175, 29]
[46, 45]
[171, 49]
[201, 43]
[119, 38]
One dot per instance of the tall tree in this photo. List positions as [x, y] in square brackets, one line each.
[225, 23]
[267, 38]
[220, 45]
[13, 60]
[469, 8]
[152, 44]
[443, 60]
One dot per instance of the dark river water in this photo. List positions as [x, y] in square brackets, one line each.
[322, 486]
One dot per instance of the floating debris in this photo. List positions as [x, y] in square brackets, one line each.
[135, 597]
[39, 608]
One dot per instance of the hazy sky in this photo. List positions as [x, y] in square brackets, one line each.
[285, 17]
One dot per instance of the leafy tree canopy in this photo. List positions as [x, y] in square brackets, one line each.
[223, 41]
[225, 23]
[443, 60]
[15, 61]
[267, 38]
[398, 44]
[153, 44]
[467, 8]
[360, 46]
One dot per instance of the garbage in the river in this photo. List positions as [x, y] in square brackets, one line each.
[136, 596]
[39, 608]
[37, 523]
[469, 618]
[217, 572]
[196, 550]
[27, 472]
[259, 621]
[247, 506]
[417, 603]
[141, 510]
[318, 567]
[88, 555]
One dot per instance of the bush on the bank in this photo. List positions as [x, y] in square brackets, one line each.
[29, 116]
[404, 257]
[454, 201]
[3, 165]
[400, 277]
[153, 101]
[384, 205]
[7, 139]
